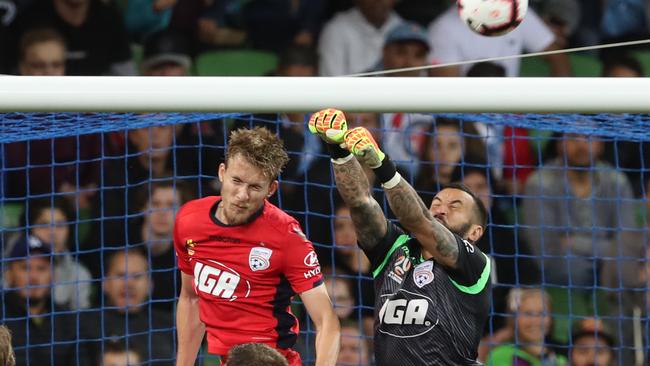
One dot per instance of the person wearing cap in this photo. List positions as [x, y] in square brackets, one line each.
[405, 46]
[592, 344]
[166, 53]
[41, 332]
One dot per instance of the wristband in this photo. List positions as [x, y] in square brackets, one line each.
[386, 171]
[392, 182]
[337, 152]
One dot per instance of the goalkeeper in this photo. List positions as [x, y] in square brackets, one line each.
[434, 312]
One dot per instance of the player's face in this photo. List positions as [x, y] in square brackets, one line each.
[51, 227]
[590, 351]
[478, 184]
[581, 151]
[244, 188]
[127, 282]
[339, 291]
[447, 149]
[454, 209]
[120, 359]
[533, 319]
[399, 55]
[43, 59]
[354, 351]
[31, 276]
[160, 215]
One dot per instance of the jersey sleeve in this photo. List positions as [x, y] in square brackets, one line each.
[301, 266]
[380, 253]
[473, 267]
[180, 246]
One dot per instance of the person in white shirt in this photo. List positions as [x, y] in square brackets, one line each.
[451, 40]
[353, 40]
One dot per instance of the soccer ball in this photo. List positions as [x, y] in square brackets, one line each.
[492, 17]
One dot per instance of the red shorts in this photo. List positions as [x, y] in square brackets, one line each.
[292, 357]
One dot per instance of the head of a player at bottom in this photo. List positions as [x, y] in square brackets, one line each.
[242, 260]
[431, 281]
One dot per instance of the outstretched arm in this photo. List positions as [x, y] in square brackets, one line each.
[369, 221]
[414, 216]
[411, 212]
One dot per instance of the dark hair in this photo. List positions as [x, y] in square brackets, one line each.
[298, 55]
[625, 61]
[120, 346]
[36, 36]
[110, 255]
[255, 354]
[35, 207]
[185, 192]
[480, 212]
[486, 69]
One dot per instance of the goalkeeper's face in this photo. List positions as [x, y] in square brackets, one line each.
[244, 187]
[454, 208]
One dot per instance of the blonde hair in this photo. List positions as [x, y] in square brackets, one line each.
[7, 357]
[259, 147]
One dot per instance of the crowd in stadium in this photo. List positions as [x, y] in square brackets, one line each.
[88, 264]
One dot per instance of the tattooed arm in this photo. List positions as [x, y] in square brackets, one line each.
[369, 221]
[414, 216]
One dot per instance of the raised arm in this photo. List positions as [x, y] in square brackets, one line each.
[435, 238]
[369, 221]
[328, 330]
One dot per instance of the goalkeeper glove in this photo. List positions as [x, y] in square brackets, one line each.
[362, 145]
[329, 124]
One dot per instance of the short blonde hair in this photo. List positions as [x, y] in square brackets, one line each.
[261, 148]
[7, 357]
[517, 295]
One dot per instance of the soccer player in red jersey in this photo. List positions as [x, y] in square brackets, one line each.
[242, 259]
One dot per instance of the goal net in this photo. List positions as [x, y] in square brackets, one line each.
[565, 192]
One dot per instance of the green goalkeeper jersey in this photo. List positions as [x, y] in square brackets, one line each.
[426, 314]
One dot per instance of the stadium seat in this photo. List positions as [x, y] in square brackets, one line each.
[533, 67]
[585, 66]
[235, 63]
[644, 59]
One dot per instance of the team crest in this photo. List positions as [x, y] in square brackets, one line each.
[259, 258]
[423, 274]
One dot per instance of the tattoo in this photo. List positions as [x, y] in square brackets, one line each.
[369, 221]
[415, 217]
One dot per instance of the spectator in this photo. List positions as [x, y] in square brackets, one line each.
[339, 289]
[351, 42]
[508, 148]
[354, 348]
[262, 24]
[96, 39]
[42, 332]
[509, 252]
[145, 17]
[7, 356]
[42, 53]
[405, 46]
[558, 206]
[531, 309]
[451, 40]
[592, 345]
[166, 53]
[562, 17]
[255, 354]
[622, 66]
[159, 203]
[50, 221]
[126, 313]
[118, 353]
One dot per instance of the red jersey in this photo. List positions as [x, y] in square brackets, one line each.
[245, 275]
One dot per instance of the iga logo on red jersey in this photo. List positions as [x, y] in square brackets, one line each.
[220, 281]
[259, 258]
